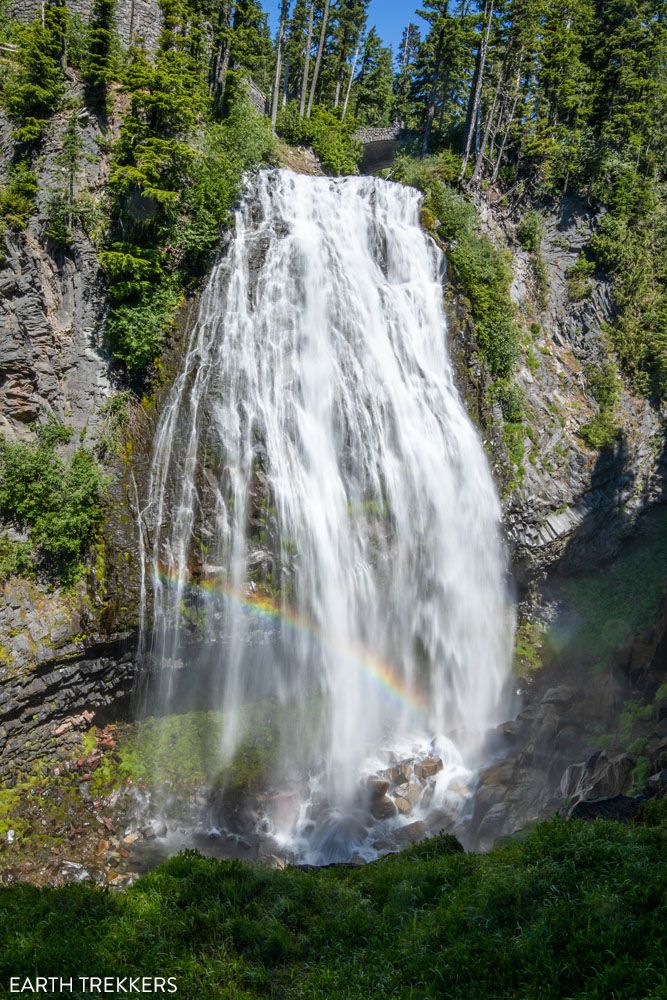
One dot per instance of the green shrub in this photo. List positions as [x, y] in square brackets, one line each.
[57, 502]
[528, 648]
[330, 138]
[174, 187]
[36, 85]
[603, 382]
[15, 558]
[136, 329]
[530, 231]
[578, 278]
[17, 197]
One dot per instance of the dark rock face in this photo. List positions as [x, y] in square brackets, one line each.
[603, 775]
[33, 704]
[621, 808]
[52, 307]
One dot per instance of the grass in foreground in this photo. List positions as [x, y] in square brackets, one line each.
[573, 910]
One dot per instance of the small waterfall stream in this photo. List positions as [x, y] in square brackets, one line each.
[325, 532]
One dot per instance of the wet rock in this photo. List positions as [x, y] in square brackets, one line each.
[492, 825]
[603, 775]
[428, 767]
[283, 809]
[621, 808]
[383, 808]
[657, 784]
[438, 821]
[71, 871]
[410, 790]
[561, 696]
[411, 833]
[403, 805]
[393, 775]
[377, 788]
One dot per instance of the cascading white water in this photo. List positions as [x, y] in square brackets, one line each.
[318, 487]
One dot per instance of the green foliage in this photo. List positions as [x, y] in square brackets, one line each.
[64, 209]
[57, 502]
[15, 558]
[329, 137]
[17, 197]
[567, 911]
[136, 328]
[578, 278]
[174, 198]
[631, 244]
[602, 430]
[373, 92]
[36, 85]
[530, 231]
[100, 62]
[529, 643]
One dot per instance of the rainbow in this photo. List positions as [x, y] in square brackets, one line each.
[385, 677]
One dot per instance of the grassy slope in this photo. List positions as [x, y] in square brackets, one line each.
[573, 910]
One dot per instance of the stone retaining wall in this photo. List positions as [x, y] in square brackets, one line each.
[134, 18]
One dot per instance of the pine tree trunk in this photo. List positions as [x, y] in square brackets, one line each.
[479, 162]
[306, 62]
[221, 61]
[476, 91]
[496, 168]
[318, 57]
[279, 55]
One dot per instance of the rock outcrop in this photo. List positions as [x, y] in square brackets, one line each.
[573, 505]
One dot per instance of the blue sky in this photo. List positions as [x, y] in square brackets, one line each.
[388, 16]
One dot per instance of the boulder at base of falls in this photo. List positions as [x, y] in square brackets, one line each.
[603, 775]
[411, 833]
[620, 808]
[428, 767]
[383, 808]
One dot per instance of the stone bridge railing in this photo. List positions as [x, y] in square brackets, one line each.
[383, 134]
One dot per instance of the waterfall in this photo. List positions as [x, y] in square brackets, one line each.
[325, 532]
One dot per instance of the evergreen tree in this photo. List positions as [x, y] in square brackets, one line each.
[374, 84]
[38, 84]
[100, 61]
[348, 28]
[406, 64]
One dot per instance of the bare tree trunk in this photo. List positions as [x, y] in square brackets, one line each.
[479, 162]
[279, 56]
[318, 57]
[306, 62]
[496, 168]
[476, 93]
[221, 61]
[285, 81]
[349, 82]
